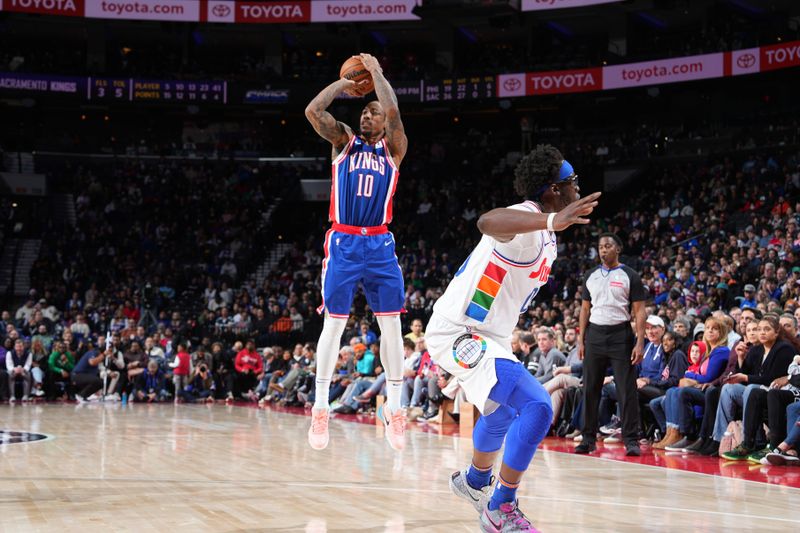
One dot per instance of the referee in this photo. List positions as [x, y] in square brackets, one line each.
[609, 291]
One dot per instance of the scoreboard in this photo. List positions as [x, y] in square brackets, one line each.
[139, 90]
[457, 89]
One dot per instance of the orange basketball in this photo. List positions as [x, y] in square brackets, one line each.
[353, 69]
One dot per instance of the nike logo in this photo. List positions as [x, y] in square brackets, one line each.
[489, 518]
[387, 243]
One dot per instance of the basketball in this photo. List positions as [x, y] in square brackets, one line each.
[353, 69]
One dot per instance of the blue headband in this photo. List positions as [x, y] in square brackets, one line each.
[564, 173]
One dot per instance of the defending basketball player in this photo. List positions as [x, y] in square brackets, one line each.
[359, 247]
[469, 334]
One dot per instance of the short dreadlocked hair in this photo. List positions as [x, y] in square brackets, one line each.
[537, 170]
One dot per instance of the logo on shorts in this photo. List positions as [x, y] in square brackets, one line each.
[468, 350]
[20, 437]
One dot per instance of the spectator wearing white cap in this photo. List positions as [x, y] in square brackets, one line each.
[653, 363]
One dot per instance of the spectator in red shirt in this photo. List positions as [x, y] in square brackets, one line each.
[131, 312]
[182, 368]
[249, 371]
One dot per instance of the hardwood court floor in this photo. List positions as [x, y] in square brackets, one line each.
[228, 468]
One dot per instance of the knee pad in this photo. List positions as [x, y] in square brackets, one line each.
[490, 430]
[534, 420]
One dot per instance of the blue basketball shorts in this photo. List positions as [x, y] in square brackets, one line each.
[366, 259]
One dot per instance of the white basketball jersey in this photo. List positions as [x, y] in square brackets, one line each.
[498, 281]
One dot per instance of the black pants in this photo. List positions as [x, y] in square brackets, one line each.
[245, 382]
[755, 414]
[777, 402]
[86, 384]
[3, 383]
[610, 345]
[710, 412]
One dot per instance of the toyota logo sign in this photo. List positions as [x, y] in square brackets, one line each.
[746, 61]
[512, 84]
[221, 10]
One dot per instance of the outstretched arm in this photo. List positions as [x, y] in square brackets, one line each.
[503, 223]
[337, 133]
[395, 133]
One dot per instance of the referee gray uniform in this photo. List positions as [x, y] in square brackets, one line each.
[609, 339]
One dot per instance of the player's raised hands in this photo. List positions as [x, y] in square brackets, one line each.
[576, 212]
[370, 63]
[353, 88]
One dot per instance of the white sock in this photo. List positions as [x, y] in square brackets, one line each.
[327, 354]
[323, 389]
[393, 392]
[392, 358]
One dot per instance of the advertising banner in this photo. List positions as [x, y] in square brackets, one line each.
[64, 8]
[565, 81]
[42, 83]
[663, 71]
[509, 85]
[781, 55]
[255, 12]
[747, 61]
[541, 5]
[266, 95]
[173, 10]
[362, 10]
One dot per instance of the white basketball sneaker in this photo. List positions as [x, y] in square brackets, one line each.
[395, 425]
[318, 432]
[478, 498]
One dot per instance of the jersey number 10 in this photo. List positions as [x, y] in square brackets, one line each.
[365, 185]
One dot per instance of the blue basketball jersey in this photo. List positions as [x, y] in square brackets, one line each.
[364, 181]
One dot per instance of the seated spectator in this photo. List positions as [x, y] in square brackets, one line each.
[764, 365]
[38, 368]
[343, 372]
[154, 352]
[527, 347]
[546, 353]
[677, 366]
[365, 372]
[300, 366]
[412, 352]
[654, 361]
[112, 370]
[680, 401]
[416, 330]
[224, 370]
[786, 451]
[80, 329]
[437, 381]
[18, 366]
[201, 386]
[278, 370]
[135, 363]
[426, 368]
[249, 370]
[44, 337]
[60, 364]
[150, 385]
[365, 335]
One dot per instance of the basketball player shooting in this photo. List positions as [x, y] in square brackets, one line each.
[359, 247]
[469, 334]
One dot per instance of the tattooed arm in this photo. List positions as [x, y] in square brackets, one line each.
[337, 133]
[395, 133]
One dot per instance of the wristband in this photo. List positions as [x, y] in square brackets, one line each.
[550, 219]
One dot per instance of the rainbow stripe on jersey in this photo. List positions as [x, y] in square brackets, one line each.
[486, 292]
